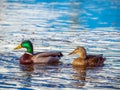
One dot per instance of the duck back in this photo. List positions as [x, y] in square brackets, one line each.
[95, 60]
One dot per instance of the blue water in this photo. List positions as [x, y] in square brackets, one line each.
[60, 25]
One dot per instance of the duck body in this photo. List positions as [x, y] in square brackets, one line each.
[41, 58]
[87, 60]
[38, 58]
[90, 61]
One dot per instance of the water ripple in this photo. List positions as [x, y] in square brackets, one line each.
[59, 26]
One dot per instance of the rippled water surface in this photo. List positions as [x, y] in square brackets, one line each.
[60, 25]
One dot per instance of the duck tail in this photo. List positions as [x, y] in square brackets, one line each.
[102, 60]
[101, 55]
[60, 54]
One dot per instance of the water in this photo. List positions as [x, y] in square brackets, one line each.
[60, 26]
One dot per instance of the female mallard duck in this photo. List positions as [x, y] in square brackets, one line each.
[39, 58]
[86, 60]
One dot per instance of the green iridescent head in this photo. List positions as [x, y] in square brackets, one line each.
[25, 44]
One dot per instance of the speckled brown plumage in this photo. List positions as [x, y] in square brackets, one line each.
[87, 60]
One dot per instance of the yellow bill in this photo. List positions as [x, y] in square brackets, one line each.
[18, 47]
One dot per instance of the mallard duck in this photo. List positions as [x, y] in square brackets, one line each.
[39, 58]
[86, 60]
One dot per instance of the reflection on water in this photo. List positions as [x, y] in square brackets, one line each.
[60, 26]
[80, 75]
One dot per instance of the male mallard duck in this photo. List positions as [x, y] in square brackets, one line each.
[39, 58]
[86, 60]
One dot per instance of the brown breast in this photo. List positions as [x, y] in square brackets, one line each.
[79, 62]
[26, 59]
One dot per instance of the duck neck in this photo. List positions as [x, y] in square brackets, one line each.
[83, 54]
[30, 50]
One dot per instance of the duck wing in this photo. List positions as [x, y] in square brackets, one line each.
[47, 57]
[95, 60]
[47, 54]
